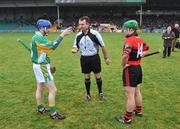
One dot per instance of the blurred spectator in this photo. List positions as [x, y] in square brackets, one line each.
[168, 37]
[176, 32]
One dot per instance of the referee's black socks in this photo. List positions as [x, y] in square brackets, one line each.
[87, 84]
[99, 84]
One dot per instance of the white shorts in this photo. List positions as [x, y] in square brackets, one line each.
[42, 73]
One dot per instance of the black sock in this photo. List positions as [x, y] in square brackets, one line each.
[87, 84]
[99, 84]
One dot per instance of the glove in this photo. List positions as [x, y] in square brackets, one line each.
[53, 69]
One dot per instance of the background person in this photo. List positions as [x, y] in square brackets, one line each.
[168, 37]
[176, 32]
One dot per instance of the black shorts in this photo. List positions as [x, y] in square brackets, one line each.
[90, 63]
[132, 76]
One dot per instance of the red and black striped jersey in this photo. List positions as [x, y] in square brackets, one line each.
[133, 49]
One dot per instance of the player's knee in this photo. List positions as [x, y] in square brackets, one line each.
[129, 94]
[137, 92]
[53, 90]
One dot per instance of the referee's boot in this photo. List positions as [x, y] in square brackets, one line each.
[101, 97]
[88, 97]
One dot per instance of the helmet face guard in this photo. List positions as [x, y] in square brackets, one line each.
[43, 24]
[131, 24]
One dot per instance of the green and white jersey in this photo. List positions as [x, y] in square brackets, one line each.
[40, 47]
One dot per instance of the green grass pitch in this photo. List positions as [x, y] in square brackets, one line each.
[160, 87]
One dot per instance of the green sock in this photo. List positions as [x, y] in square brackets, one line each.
[52, 109]
[40, 106]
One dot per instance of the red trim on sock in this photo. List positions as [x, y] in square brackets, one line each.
[138, 109]
[128, 115]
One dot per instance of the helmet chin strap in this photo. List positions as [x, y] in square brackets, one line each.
[130, 32]
[45, 32]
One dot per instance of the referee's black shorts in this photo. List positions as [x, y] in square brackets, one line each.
[90, 63]
[132, 76]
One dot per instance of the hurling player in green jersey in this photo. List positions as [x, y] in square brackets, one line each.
[40, 47]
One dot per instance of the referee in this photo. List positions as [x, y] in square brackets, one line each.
[88, 42]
